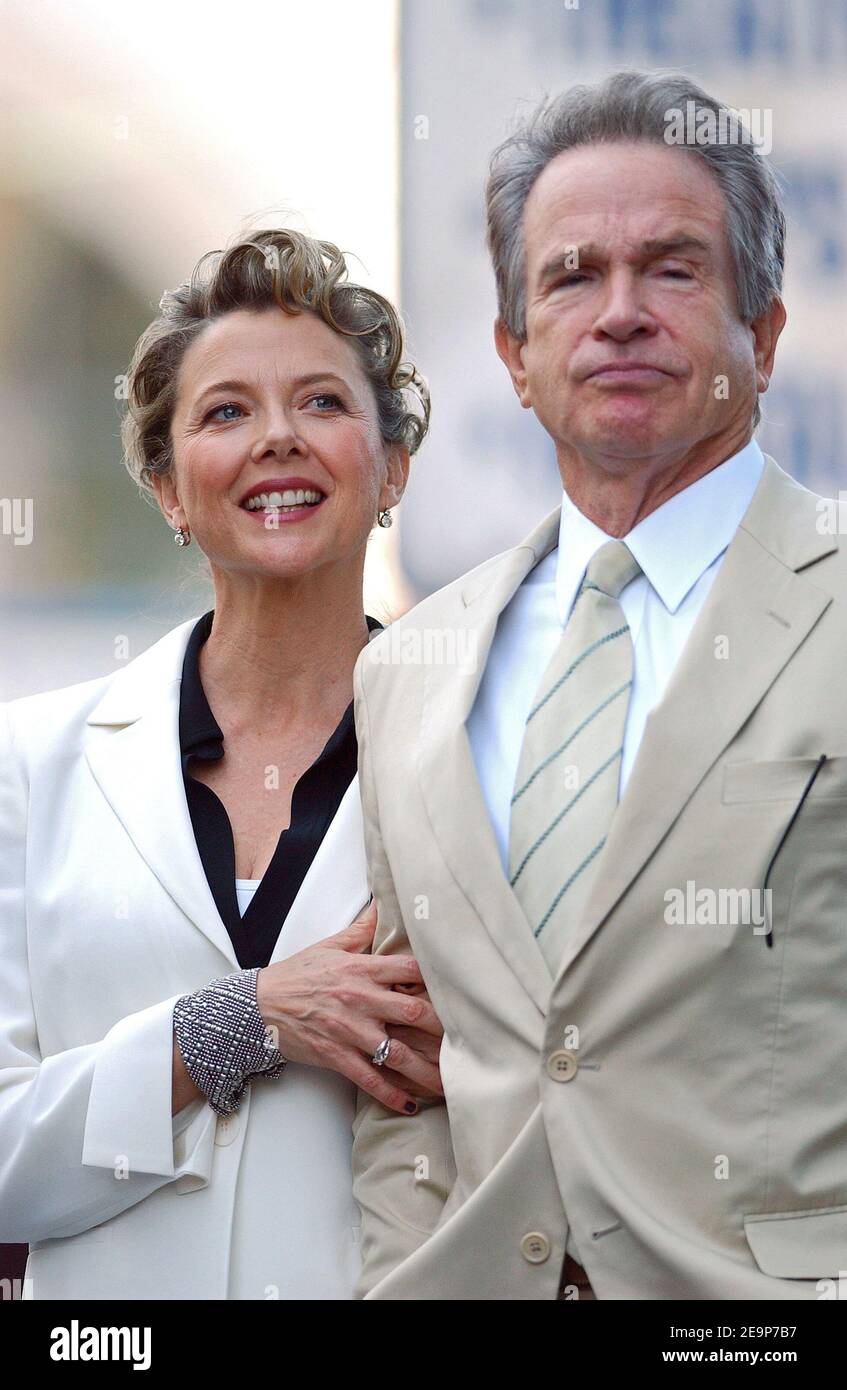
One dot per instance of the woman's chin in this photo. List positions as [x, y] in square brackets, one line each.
[274, 557]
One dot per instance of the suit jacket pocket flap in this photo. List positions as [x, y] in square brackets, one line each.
[784, 780]
[799, 1244]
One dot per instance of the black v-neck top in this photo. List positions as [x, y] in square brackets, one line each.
[315, 800]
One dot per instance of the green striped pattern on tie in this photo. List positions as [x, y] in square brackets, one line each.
[566, 788]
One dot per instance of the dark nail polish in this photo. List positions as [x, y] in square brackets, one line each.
[410, 1107]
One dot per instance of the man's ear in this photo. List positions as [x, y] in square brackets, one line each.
[766, 330]
[510, 349]
[397, 462]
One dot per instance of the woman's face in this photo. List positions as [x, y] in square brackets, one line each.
[279, 466]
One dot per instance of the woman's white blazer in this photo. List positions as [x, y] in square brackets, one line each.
[106, 917]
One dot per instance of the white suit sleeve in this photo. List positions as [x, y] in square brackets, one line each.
[88, 1132]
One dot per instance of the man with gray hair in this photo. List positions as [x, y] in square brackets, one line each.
[618, 847]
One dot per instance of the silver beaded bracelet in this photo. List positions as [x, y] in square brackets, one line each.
[224, 1040]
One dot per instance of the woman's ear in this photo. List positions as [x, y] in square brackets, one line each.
[397, 460]
[168, 499]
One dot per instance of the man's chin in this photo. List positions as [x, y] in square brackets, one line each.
[630, 442]
[624, 425]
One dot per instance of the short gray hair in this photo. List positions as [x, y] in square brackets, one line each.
[634, 106]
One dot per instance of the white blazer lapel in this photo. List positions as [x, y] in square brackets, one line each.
[134, 754]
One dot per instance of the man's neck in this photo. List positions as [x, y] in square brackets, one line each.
[618, 493]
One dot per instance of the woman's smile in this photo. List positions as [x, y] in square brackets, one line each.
[283, 499]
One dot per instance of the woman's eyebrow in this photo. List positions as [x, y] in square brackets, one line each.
[220, 386]
[311, 377]
[306, 380]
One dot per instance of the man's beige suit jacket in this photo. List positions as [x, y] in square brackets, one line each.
[677, 1094]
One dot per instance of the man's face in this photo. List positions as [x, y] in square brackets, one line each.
[652, 284]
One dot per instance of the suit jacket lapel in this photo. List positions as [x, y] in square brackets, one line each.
[135, 758]
[447, 771]
[764, 610]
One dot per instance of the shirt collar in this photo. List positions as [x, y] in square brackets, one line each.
[677, 542]
[200, 734]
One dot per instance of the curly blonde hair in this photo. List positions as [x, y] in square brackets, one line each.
[294, 272]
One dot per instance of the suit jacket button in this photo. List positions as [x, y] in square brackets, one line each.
[535, 1247]
[226, 1129]
[562, 1065]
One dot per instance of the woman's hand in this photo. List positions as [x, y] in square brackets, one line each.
[331, 1006]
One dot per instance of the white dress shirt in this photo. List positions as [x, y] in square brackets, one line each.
[679, 547]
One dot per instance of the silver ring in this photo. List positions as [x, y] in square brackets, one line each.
[380, 1057]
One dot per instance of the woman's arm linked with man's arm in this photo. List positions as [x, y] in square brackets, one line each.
[403, 1167]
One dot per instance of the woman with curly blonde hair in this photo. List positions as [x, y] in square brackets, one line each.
[187, 1002]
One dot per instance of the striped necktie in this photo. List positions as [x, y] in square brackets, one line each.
[566, 788]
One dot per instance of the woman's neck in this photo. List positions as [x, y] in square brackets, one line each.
[280, 651]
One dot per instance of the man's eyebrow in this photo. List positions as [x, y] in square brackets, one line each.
[235, 385]
[662, 245]
[591, 251]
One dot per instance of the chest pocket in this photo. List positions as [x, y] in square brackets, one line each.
[784, 780]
